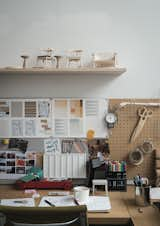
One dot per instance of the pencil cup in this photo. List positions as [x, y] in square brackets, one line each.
[141, 196]
[81, 193]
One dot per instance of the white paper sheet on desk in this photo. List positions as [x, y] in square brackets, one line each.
[154, 193]
[98, 204]
[94, 204]
[66, 200]
[18, 202]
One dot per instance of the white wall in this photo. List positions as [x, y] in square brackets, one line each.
[129, 27]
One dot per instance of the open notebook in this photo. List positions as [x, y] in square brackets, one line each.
[94, 204]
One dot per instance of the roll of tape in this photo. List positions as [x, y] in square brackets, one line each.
[136, 157]
[147, 147]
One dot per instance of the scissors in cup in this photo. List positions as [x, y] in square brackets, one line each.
[143, 114]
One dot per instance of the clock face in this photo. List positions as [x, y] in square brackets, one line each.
[111, 118]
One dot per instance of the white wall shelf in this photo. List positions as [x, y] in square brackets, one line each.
[115, 71]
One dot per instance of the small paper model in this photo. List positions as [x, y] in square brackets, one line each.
[105, 59]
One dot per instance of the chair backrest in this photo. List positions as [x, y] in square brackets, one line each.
[45, 216]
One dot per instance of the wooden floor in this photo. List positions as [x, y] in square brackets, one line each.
[123, 209]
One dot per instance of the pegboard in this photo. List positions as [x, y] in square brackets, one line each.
[119, 138]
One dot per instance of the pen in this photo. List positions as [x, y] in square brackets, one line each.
[20, 201]
[49, 203]
[75, 201]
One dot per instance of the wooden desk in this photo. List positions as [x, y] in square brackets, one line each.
[119, 213]
[123, 208]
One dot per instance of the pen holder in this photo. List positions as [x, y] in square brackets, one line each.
[142, 195]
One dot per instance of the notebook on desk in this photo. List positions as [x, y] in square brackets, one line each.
[28, 202]
[94, 204]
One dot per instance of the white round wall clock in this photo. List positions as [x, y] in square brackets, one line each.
[110, 119]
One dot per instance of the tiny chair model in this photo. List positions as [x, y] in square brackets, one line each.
[47, 59]
[104, 59]
[45, 216]
[75, 57]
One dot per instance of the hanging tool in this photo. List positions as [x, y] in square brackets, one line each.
[143, 114]
[123, 104]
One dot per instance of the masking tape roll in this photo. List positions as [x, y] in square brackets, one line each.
[147, 147]
[136, 157]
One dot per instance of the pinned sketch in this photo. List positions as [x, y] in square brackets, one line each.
[80, 147]
[30, 127]
[60, 108]
[44, 127]
[91, 107]
[95, 111]
[16, 109]
[76, 108]
[43, 109]
[17, 128]
[30, 109]
[60, 127]
[4, 128]
[67, 146]
[76, 127]
[4, 109]
[74, 146]
[52, 145]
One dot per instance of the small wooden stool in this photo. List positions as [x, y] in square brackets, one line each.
[100, 182]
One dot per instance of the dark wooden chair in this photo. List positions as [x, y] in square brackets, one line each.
[45, 216]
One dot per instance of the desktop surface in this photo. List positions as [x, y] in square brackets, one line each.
[123, 207]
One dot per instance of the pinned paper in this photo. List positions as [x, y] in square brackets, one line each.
[52, 145]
